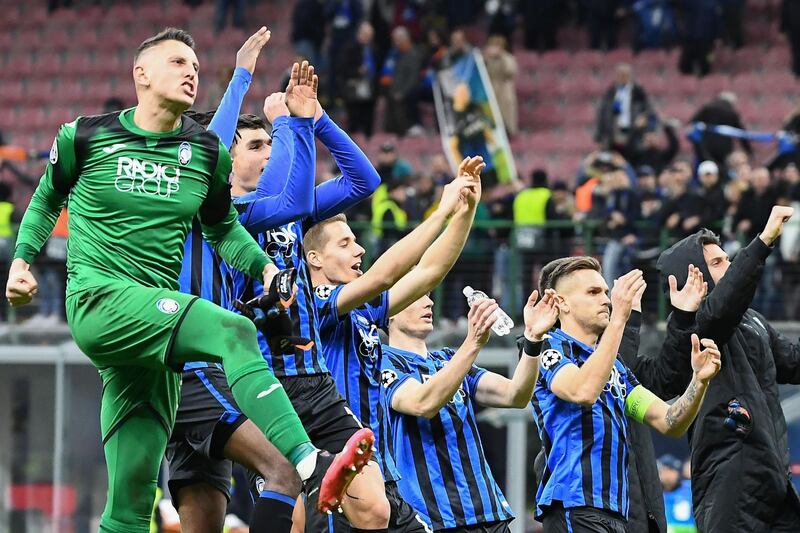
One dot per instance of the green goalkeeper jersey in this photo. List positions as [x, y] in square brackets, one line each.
[132, 197]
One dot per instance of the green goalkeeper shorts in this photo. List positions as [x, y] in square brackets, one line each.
[127, 332]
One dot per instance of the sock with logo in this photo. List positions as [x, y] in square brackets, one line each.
[272, 513]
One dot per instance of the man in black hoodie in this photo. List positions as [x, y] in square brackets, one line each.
[740, 454]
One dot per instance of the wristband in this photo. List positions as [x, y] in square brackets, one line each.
[531, 348]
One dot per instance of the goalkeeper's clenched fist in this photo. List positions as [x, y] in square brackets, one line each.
[269, 312]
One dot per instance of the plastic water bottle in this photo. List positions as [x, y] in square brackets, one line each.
[503, 324]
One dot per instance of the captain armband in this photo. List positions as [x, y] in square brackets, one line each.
[638, 402]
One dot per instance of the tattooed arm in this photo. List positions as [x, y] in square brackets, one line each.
[673, 420]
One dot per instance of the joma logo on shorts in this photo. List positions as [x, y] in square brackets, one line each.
[146, 177]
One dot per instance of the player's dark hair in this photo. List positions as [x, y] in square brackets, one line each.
[706, 236]
[560, 268]
[315, 237]
[248, 122]
[167, 34]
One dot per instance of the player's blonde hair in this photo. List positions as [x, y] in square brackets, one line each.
[316, 238]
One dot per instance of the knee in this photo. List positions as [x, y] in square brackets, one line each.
[240, 329]
[282, 478]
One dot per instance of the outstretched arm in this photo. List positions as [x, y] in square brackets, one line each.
[495, 390]
[673, 420]
[400, 258]
[292, 158]
[40, 217]
[359, 178]
[437, 261]
[722, 311]
[426, 399]
[227, 114]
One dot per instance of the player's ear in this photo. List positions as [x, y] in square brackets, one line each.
[140, 76]
[313, 259]
[561, 304]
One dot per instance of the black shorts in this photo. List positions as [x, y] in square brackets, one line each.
[325, 415]
[491, 527]
[581, 520]
[403, 518]
[207, 417]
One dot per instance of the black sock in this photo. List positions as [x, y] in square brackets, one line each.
[272, 513]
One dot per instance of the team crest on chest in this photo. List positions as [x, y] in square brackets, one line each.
[370, 339]
[184, 153]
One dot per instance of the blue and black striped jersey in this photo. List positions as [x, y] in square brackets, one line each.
[202, 271]
[352, 349]
[585, 448]
[445, 476]
[284, 246]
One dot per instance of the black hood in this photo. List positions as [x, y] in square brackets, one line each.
[676, 260]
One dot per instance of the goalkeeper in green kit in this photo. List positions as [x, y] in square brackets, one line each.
[135, 180]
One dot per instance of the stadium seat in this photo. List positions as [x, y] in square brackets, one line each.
[19, 66]
[57, 39]
[48, 65]
[77, 63]
[39, 92]
[8, 118]
[12, 92]
[106, 63]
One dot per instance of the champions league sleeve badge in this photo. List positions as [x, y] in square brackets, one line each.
[550, 358]
[324, 291]
[388, 377]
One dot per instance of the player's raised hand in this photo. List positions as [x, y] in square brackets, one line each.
[247, 55]
[21, 286]
[480, 320]
[301, 93]
[706, 362]
[692, 294]
[470, 169]
[275, 106]
[626, 289]
[779, 216]
[454, 195]
[540, 316]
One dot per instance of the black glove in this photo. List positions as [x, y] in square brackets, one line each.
[270, 313]
[738, 419]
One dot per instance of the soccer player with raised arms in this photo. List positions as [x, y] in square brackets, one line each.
[352, 306]
[429, 426]
[135, 180]
[210, 431]
[585, 395]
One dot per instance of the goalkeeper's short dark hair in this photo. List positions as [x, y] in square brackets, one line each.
[167, 34]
